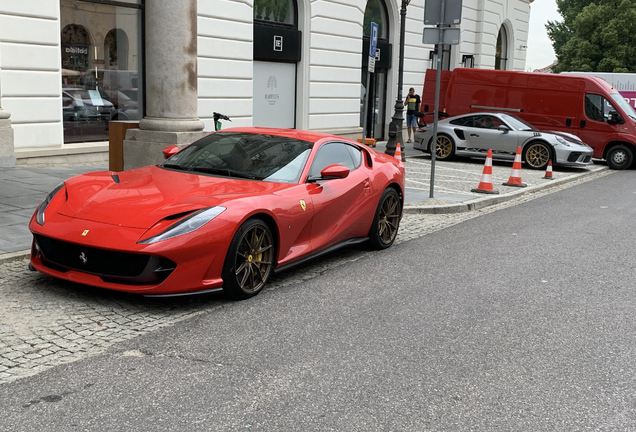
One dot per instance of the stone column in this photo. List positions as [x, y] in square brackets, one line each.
[171, 83]
[7, 149]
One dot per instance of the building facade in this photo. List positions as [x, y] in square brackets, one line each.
[68, 67]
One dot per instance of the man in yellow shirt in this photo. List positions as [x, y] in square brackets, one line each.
[412, 103]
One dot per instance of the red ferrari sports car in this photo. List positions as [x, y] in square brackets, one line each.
[219, 214]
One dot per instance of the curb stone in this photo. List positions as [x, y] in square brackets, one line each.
[14, 256]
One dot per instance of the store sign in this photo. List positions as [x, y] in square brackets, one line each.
[278, 43]
[76, 50]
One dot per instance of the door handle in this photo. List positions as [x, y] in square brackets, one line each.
[568, 122]
[582, 123]
[366, 184]
[475, 135]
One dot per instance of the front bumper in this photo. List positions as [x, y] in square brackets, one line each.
[569, 157]
[109, 257]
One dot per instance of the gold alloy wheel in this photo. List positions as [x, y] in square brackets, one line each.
[389, 219]
[537, 155]
[254, 259]
[444, 147]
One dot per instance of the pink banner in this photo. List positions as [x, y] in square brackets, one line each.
[630, 97]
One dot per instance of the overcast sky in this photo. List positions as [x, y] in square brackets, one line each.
[539, 52]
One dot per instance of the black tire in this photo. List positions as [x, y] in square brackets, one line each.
[386, 221]
[537, 155]
[249, 261]
[445, 147]
[619, 157]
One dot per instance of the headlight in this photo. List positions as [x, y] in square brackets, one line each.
[187, 225]
[562, 140]
[39, 213]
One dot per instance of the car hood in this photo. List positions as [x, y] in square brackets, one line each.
[144, 196]
[568, 136]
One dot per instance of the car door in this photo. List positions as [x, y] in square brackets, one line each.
[343, 208]
[594, 129]
[485, 134]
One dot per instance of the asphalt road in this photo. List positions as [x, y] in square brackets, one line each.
[522, 319]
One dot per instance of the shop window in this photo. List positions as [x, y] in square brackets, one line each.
[501, 53]
[275, 12]
[101, 66]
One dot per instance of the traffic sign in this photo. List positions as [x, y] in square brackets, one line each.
[452, 12]
[450, 36]
[373, 39]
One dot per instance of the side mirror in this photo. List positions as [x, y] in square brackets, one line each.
[614, 118]
[334, 172]
[170, 151]
[503, 128]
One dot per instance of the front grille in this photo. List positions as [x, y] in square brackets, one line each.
[587, 159]
[574, 156]
[111, 266]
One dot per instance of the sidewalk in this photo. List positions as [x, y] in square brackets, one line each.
[454, 181]
[22, 189]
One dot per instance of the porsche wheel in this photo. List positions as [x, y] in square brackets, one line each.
[386, 221]
[249, 261]
[537, 155]
[445, 147]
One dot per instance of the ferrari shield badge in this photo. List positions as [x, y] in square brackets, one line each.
[303, 205]
[84, 233]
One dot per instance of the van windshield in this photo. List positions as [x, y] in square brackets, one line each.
[621, 102]
[517, 123]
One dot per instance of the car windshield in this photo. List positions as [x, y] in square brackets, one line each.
[518, 124]
[244, 155]
[621, 102]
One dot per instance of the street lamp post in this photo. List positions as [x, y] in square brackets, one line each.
[395, 128]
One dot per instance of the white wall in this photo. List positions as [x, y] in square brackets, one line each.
[335, 56]
[31, 75]
[225, 54]
[329, 74]
[481, 21]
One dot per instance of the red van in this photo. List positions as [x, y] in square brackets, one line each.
[585, 106]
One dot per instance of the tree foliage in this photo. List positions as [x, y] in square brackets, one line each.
[595, 36]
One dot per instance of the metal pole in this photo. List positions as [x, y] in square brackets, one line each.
[398, 117]
[366, 108]
[440, 55]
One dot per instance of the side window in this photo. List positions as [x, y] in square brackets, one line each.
[597, 107]
[356, 156]
[333, 153]
[464, 121]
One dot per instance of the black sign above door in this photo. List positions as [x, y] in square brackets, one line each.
[382, 54]
[277, 44]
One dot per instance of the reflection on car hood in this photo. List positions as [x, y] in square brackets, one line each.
[146, 195]
[568, 136]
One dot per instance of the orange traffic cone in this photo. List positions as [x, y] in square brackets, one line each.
[485, 186]
[548, 171]
[515, 175]
[398, 152]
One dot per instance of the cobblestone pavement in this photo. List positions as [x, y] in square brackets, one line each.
[459, 177]
[45, 322]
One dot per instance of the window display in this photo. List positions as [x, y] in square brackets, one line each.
[102, 67]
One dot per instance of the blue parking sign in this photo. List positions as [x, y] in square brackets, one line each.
[373, 39]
